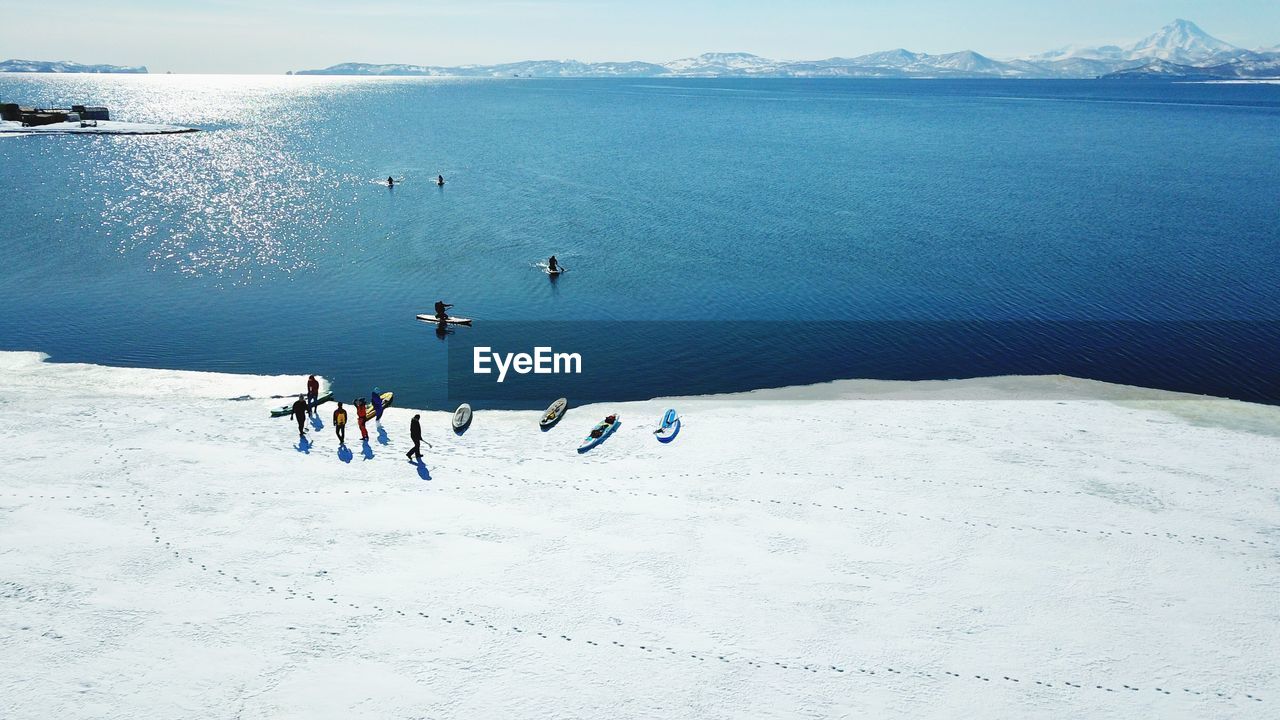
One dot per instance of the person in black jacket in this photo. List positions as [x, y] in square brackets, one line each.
[415, 434]
[300, 413]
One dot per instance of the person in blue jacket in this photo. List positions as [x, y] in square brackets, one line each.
[377, 404]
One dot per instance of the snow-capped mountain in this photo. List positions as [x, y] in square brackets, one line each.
[64, 66]
[1252, 65]
[372, 69]
[1082, 52]
[738, 63]
[1180, 43]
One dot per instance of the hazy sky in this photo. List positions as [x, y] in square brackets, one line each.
[271, 37]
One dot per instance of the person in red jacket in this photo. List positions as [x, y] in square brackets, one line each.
[313, 393]
[360, 412]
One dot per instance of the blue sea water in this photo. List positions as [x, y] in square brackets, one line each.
[720, 235]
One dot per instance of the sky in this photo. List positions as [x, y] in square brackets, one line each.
[248, 36]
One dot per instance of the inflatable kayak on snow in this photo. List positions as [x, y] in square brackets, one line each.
[668, 427]
[600, 433]
[387, 397]
[287, 409]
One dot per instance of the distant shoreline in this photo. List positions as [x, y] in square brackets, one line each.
[102, 127]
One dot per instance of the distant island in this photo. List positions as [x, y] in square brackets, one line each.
[64, 66]
[1178, 50]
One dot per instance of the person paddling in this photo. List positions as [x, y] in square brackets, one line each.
[415, 434]
[440, 180]
[300, 414]
[340, 425]
[442, 310]
[360, 420]
[391, 181]
[552, 265]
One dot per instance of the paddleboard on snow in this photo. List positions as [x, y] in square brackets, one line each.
[600, 432]
[553, 413]
[387, 397]
[668, 427]
[450, 320]
[287, 409]
[462, 417]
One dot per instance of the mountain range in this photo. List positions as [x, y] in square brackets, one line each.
[65, 66]
[1179, 50]
[1180, 44]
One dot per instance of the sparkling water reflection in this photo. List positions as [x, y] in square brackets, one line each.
[265, 243]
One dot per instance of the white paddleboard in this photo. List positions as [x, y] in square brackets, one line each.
[450, 320]
[462, 416]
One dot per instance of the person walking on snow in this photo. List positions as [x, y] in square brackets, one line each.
[300, 413]
[415, 434]
[340, 425]
[360, 420]
[313, 393]
[377, 405]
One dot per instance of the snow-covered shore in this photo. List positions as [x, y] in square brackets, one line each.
[103, 127]
[1013, 547]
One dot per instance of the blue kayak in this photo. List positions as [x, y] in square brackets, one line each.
[669, 427]
[600, 432]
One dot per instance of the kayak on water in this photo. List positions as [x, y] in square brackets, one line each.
[668, 427]
[600, 432]
[553, 413]
[461, 417]
[449, 320]
[288, 409]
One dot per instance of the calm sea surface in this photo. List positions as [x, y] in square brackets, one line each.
[720, 234]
